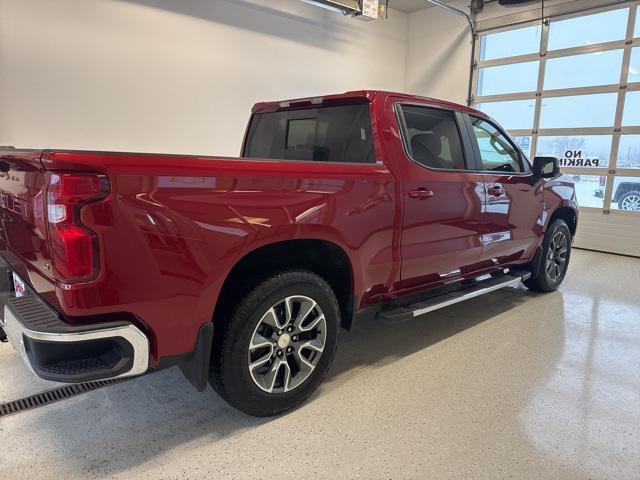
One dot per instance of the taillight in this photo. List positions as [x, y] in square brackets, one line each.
[74, 247]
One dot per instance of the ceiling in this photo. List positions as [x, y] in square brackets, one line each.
[408, 6]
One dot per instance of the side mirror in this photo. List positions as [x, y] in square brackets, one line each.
[545, 167]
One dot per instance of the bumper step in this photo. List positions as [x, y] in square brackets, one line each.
[452, 295]
[71, 353]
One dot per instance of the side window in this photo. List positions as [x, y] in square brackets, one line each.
[432, 138]
[496, 151]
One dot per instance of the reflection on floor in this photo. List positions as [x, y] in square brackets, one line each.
[512, 384]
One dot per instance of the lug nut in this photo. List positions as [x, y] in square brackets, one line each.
[279, 332]
[279, 353]
[289, 349]
[294, 338]
[290, 329]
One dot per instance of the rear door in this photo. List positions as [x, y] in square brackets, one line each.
[513, 203]
[442, 197]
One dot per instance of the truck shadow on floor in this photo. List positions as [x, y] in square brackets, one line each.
[120, 427]
[378, 343]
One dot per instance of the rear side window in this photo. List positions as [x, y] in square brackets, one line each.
[497, 153]
[432, 137]
[327, 134]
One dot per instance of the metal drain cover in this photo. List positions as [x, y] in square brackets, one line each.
[53, 395]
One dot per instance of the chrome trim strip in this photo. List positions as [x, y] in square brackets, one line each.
[509, 283]
[15, 330]
[457, 271]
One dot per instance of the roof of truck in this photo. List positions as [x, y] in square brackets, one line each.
[368, 95]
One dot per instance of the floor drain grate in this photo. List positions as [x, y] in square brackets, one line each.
[51, 396]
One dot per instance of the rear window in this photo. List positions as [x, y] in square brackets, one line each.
[327, 134]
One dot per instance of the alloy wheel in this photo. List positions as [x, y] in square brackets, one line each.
[287, 344]
[631, 202]
[557, 256]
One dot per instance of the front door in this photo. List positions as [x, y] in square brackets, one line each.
[513, 202]
[442, 198]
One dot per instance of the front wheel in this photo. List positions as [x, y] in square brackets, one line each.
[556, 250]
[278, 344]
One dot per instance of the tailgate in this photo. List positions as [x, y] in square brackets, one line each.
[22, 227]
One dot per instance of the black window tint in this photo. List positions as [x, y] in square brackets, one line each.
[497, 153]
[327, 134]
[432, 137]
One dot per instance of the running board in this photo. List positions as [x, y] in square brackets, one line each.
[466, 291]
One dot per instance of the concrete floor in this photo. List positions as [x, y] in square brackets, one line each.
[509, 385]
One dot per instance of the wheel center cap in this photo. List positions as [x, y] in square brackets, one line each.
[283, 341]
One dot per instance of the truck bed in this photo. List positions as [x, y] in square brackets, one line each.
[173, 226]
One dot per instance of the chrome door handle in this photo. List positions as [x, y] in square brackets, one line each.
[420, 193]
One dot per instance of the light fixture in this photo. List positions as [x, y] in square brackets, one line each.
[346, 7]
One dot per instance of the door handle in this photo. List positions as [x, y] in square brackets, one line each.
[495, 191]
[420, 193]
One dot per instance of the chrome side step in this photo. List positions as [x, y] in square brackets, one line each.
[481, 286]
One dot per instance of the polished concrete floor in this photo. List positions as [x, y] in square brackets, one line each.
[509, 385]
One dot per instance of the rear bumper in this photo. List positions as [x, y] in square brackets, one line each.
[61, 352]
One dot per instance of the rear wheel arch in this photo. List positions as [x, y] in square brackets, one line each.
[325, 258]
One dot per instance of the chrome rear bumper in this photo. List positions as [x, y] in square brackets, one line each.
[58, 351]
[30, 345]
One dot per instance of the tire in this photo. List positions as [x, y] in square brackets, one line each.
[630, 201]
[556, 246]
[251, 336]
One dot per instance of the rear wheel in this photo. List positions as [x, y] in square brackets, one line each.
[556, 250]
[278, 344]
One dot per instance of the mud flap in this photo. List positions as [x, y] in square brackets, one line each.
[197, 368]
[536, 263]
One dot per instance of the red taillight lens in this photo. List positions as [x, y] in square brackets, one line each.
[74, 247]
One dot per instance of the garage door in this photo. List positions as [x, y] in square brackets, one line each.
[570, 87]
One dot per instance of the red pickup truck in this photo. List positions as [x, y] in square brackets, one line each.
[242, 271]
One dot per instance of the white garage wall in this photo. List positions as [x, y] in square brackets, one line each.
[176, 76]
[438, 54]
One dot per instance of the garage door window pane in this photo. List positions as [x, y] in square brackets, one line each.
[588, 30]
[626, 194]
[601, 68]
[520, 41]
[513, 115]
[634, 66]
[631, 116]
[629, 152]
[590, 190]
[517, 77]
[577, 150]
[578, 111]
